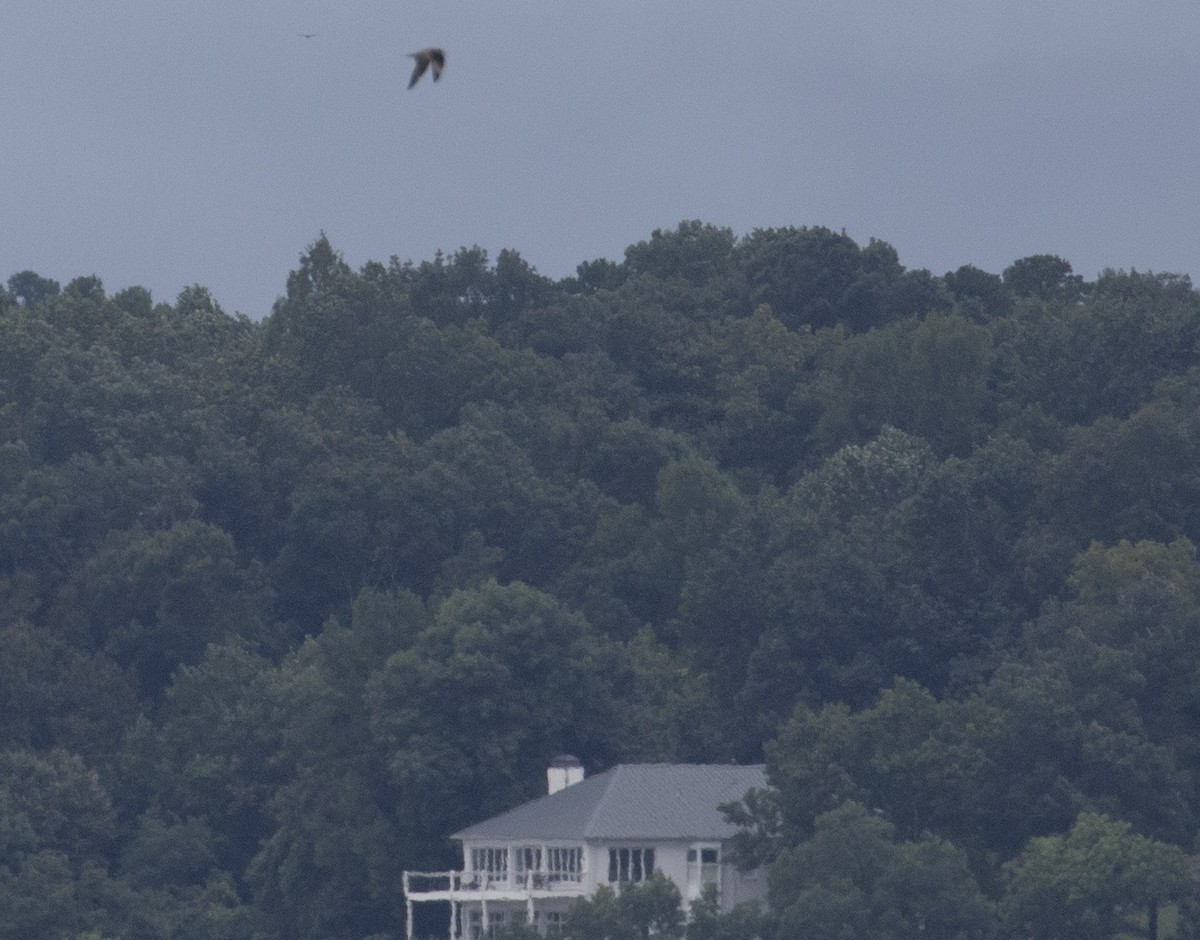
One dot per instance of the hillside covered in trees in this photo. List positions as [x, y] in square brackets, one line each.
[283, 604]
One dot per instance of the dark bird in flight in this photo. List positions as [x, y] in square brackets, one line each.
[426, 58]
[308, 35]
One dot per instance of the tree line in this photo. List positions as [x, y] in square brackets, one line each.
[284, 603]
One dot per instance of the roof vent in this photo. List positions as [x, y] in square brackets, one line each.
[563, 771]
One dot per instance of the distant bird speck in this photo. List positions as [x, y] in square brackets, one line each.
[307, 35]
[426, 58]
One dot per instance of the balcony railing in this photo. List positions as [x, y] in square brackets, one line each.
[476, 883]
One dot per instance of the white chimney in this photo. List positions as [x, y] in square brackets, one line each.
[563, 771]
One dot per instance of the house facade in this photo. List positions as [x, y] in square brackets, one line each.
[615, 828]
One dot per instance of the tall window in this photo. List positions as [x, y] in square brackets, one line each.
[630, 864]
[564, 864]
[491, 862]
[529, 859]
[704, 866]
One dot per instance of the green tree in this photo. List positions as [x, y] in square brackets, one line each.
[516, 289]
[927, 378]
[1091, 881]
[455, 291]
[153, 600]
[980, 295]
[651, 908]
[333, 855]
[506, 658]
[1129, 479]
[1127, 637]
[57, 830]
[706, 920]
[31, 289]
[211, 754]
[851, 880]
[927, 765]
[694, 252]
[802, 274]
[598, 274]
[165, 851]
[816, 277]
[53, 694]
[136, 301]
[764, 373]
[1045, 277]
[598, 917]
[848, 595]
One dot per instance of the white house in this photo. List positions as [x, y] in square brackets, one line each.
[615, 828]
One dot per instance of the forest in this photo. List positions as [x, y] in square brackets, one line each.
[284, 603]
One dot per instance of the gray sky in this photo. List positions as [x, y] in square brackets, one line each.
[160, 143]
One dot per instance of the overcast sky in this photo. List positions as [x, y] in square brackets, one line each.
[163, 143]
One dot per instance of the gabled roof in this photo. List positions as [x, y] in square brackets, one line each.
[630, 801]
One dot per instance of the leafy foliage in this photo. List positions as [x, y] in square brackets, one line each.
[650, 908]
[282, 604]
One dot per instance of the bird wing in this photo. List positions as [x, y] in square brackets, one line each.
[419, 68]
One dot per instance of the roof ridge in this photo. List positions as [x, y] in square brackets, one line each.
[683, 764]
[629, 801]
[612, 773]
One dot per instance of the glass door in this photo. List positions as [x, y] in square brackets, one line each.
[703, 869]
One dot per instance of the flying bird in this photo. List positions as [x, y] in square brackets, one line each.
[307, 35]
[426, 58]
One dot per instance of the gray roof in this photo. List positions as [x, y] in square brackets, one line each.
[630, 801]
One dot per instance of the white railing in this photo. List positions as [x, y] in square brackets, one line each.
[417, 883]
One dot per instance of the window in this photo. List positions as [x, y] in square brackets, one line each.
[490, 862]
[553, 921]
[564, 864]
[540, 866]
[529, 859]
[630, 864]
[704, 866]
[476, 932]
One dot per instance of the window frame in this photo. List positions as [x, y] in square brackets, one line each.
[490, 862]
[559, 873]
[631, 864]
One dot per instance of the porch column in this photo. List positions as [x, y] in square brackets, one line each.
[408, 910]
[531, 881]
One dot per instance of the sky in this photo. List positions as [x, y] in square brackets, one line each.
[164, 144]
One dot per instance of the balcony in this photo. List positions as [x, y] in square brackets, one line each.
[489, 886]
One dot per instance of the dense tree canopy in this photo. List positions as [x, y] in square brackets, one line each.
[924, 544]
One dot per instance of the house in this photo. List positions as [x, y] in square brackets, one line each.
[615, 828]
